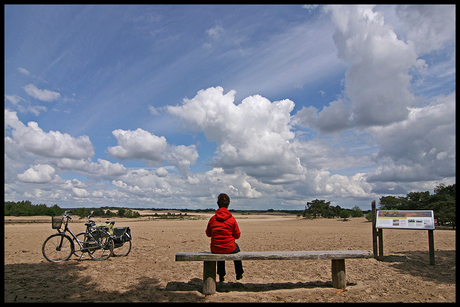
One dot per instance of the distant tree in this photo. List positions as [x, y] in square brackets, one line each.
[369, 216]
[319, 207]
[98, 212]
[132, 214]
[442, 202]
[344, 214]
[82, 212]
[390, 203]
[121, 212]
[356, 212]
[26, 208]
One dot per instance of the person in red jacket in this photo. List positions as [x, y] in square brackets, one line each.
[223, 230]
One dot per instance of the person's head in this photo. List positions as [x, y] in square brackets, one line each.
[223, 200]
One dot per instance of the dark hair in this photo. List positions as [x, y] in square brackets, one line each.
[223, 200]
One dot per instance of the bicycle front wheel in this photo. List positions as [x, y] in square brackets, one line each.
[57, 248]
[103, 245]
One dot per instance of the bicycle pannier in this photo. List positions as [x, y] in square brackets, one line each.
[121, 234]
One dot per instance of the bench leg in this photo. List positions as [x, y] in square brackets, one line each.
[338, 274]
[209, 277]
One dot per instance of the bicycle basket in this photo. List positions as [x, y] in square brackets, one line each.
[56, 222]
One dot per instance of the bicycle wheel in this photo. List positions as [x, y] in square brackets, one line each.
[83, 238]
[57, 248]
[122, 249]
[103, 245]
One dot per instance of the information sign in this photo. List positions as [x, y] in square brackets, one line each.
[405, 219]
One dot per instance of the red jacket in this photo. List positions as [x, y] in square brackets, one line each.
[223, 230]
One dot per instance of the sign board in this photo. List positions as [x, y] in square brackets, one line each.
[405, 219]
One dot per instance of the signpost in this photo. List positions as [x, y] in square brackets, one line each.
[405, 219]
[401, 219]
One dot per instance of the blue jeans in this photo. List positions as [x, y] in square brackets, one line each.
[238, 265]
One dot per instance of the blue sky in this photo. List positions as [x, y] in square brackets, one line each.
[168, 106]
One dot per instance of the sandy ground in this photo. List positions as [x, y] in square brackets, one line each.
[150, 274]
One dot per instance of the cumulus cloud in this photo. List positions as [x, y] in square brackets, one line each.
[428, 27]
[102, 168]
[378, 81]
[139, 145]
[154, 150]
[422, 147]
[32, 139]
[43, 95]
[254, 135]
[182, 157]
[38, 174]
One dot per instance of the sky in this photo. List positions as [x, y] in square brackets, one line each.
[158, 106]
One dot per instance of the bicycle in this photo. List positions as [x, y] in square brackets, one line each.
[121, 237]
[59, 247]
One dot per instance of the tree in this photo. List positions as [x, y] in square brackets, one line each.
[442, 202]
[319, 208]
[132, 214]
[356, 212]
[82, 212]
[344, 214]
[369, 216]
[121, 212]
[390, 203]
[99, 212]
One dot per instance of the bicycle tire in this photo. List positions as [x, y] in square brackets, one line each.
[77, 251]
[105, 243]
[57, 248]
[123, 250]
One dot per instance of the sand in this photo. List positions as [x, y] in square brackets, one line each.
[151, 274]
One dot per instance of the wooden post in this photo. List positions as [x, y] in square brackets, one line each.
[339, 280]
[374, 230]
[431, 246]
[380, 234]
[209, 277]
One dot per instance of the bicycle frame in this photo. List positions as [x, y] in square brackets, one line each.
[88, 233]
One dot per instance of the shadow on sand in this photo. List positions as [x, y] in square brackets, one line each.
[417, 263]
[66, 282]
[196, 284]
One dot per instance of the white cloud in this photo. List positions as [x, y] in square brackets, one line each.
[215, 32]
[102, 168]
[43, 95]
[420, 148]
[182, 157]
[14, 99]
[33, 140]
[138, 145]
[24, 71]
[377, 84]
[254, 135]
[154, 150]
[38, 174]
[428, 27]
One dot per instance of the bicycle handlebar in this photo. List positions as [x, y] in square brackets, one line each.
[66, 214]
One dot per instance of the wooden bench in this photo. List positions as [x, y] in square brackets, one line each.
[209, 259]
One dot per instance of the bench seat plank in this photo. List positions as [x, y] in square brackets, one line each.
[284, 255]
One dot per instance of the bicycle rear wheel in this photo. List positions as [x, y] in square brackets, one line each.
[57, 248]
[122, 249]
[104, 245]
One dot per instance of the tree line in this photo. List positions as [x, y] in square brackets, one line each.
[442, 202]
[322, 208]
[26, 208]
